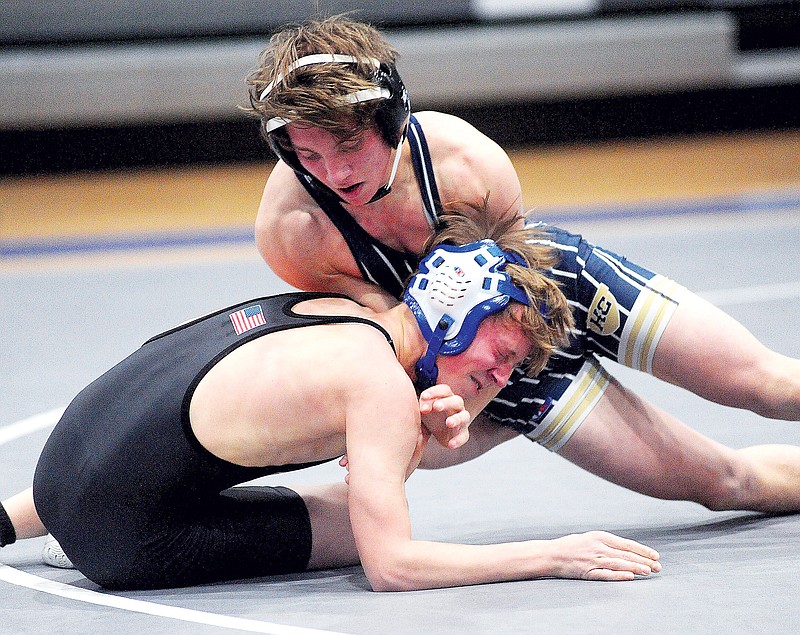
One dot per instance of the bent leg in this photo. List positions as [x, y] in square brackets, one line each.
[332, 542]
[22, 514]
[240, 536]
[632, 443]
[705, 350]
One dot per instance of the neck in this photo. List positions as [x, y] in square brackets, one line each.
[409, 343]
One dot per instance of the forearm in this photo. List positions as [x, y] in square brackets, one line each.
[483, 436]
[595, 555]
[430, 565]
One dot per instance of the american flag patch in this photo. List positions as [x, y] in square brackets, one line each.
[247, 318]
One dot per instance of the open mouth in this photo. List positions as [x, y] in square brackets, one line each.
[350, 189]
[478, 385]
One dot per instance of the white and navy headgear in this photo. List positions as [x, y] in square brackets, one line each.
[391, 116]
[455, 289]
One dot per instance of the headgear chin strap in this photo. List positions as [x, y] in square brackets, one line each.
[383, 190]
[455, 289]
[391, 117]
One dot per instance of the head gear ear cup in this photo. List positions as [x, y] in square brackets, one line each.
[391, 116]
[455, 289]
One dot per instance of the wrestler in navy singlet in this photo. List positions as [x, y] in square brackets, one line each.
[620, 310]
[133, 497]
[379, 263]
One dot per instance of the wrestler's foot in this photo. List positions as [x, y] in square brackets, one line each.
[54, 556]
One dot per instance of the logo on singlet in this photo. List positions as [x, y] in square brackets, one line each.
[604, 313]
[247, 319]
[543, 410]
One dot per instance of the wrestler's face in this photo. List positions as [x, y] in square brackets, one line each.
[353, 168]
[478, 373]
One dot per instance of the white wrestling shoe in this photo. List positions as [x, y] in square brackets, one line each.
[53, 555]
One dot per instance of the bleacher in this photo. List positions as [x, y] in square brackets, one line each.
[95, 75]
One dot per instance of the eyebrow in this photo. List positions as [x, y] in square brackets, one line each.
[351, 140]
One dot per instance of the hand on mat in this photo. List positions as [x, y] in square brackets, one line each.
[444, 415]
[599, 555]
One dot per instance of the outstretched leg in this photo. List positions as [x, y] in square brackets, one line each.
[708, 352]
[632, 443]
[635, 444]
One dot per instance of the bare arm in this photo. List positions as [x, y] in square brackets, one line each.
[300, 244]
[483, 436]
[380, 457]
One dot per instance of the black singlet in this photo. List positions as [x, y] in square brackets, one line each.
[136, 501]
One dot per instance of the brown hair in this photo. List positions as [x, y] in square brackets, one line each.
[547, 320]
[313, 95]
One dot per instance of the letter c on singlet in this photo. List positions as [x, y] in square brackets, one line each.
[603, 316]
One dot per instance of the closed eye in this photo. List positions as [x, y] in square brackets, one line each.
[502, 358]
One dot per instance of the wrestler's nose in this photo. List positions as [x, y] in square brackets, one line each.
[501, 374]
[339, 171]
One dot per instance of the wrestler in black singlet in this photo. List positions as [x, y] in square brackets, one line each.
[132, 496]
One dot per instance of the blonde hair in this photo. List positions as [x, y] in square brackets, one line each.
[547, 319]
[313, 95]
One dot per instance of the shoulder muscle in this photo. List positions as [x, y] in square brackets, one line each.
[468, 164]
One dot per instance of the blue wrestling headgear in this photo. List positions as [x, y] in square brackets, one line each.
[455, 289]
[391, 117]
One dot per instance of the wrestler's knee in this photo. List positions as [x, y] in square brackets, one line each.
[767, 384]
[779, 394]
[727, 483]
[332, 541]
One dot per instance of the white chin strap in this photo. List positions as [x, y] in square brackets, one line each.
[385, 189]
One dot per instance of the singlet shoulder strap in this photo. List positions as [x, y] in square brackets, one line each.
[356, 236]
[274, 313]
[313, 319]
[423, 168]
[380, 264]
